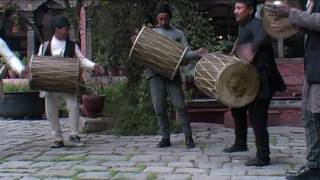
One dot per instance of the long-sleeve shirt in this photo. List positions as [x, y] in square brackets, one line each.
[9, 57]
[311, 23]
[58, 48]
[176, 35]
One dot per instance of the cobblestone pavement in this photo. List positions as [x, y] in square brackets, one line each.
[25, 154]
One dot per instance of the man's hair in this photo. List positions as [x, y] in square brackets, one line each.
[250, 3]
[163, 8]
[60, 22]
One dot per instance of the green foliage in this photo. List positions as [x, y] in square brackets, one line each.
[9, 88]
[198, 28]
[131, 111]
[225, 45]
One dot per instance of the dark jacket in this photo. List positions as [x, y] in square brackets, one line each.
[264, 60]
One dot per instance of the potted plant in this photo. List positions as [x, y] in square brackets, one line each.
[93, 101]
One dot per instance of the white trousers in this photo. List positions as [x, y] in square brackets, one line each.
[52, 104]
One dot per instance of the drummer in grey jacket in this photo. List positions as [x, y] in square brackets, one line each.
[160, 86]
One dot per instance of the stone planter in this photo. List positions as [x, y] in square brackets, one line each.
[22, 105]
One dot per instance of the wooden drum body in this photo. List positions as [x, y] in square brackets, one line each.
[158, 53]
[227, 78]
[54, 74]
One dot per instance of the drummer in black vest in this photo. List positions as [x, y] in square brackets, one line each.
[61, 46]
[161, 87]
[254, 47]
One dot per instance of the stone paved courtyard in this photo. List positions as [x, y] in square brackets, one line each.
[25, 154]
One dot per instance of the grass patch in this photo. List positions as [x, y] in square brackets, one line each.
[73, 158]
[141, 167]
[113, 172]
[273, 140]
[152, 176]
[128, 157]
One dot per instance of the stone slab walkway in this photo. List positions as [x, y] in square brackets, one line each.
[25, 154]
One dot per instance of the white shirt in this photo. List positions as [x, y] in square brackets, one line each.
[9, 57]
[57, 50]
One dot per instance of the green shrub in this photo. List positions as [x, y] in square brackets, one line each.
[131, 111]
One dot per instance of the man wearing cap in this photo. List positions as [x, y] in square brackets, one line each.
[254, 47]
[309, 21]
[61, 46]
[160, 86]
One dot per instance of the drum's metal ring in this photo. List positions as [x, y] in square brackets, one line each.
[135, 41]
[178, 65]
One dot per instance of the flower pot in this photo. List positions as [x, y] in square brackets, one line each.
[93, 105]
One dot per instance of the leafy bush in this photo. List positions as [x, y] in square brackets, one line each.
[131, 111]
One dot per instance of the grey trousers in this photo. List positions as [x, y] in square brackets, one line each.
[312, 127]
[160, 88]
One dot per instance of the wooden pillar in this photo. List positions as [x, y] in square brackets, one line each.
[89, 32]
[30, 34]
[72, 34]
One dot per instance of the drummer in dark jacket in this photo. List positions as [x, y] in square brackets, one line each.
[160, 86]
[254, 47]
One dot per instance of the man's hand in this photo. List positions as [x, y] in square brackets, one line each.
[245, 53]
[202, 52]
[98, 70]
[278, 11]
[134, 36]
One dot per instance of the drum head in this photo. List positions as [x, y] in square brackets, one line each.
[237, 85]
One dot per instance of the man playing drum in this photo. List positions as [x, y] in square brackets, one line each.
[61, 46]
[160, 86]
[254, 46]
[308, 21]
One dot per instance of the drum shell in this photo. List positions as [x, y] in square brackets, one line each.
[227, 79]
[157, 52]
[54, 74]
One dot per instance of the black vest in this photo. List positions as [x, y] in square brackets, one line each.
[312, 54]
[68, 52]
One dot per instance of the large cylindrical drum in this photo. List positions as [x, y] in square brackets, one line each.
[157, 52]
[227, 79]
[54, 74]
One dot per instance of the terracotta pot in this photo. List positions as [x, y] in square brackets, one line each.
[93, 105]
